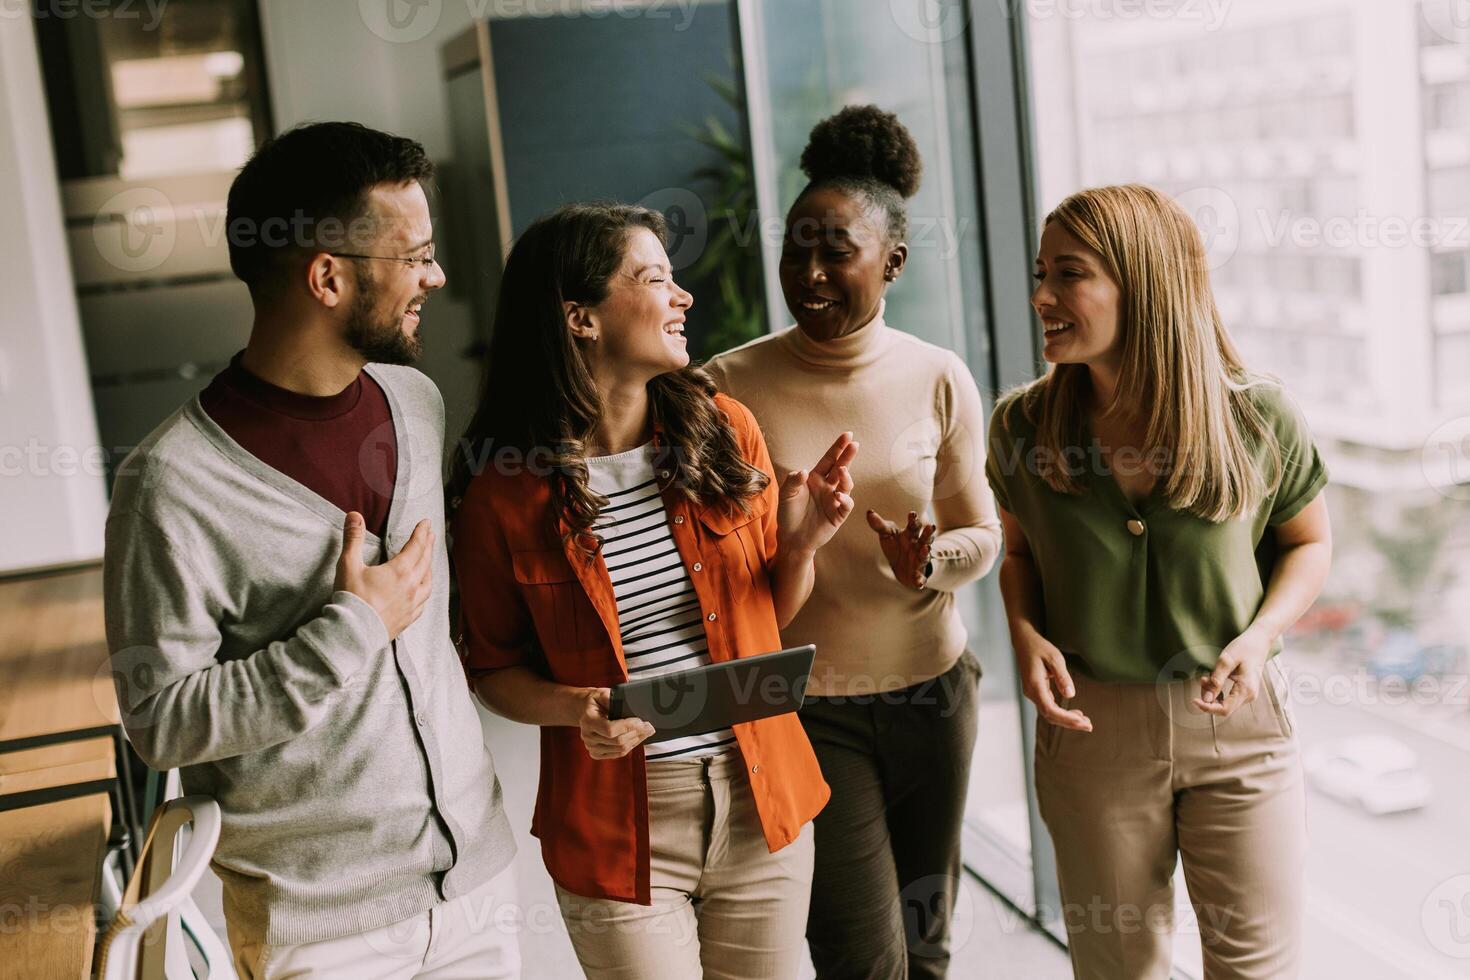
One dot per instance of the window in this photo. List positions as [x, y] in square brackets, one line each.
[1449, 190]
[819, 59]
[1270, 117]
[137, 92]
[1340, 276]
[1385, 643]
[816, 57]
[1448, 272]
[1445, 107]
[1453, 360]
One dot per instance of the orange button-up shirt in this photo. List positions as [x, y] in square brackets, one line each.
[527, 598]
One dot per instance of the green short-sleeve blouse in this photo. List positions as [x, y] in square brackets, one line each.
[1135, 592]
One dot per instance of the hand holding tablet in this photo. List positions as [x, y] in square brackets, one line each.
[609, 738]
[715, 696]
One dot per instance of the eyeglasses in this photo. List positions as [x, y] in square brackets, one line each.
[426, 263]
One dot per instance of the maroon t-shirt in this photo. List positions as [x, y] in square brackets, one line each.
[341, 447]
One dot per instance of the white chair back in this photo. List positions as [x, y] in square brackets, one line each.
[134, 947]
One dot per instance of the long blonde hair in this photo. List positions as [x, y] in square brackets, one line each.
[1179, 364]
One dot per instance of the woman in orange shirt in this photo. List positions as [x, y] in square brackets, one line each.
[616, 518]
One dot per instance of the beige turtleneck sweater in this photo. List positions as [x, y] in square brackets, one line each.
[915, 412]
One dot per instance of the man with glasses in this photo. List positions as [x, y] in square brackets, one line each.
[277, 592]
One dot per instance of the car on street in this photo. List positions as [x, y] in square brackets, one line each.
[1377, 772]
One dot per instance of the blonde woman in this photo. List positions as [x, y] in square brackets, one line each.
[1163, 526]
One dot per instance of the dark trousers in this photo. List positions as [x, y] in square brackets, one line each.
[888, 844]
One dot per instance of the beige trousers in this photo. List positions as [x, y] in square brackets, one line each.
[1155, 779]
[473, 937]
[723, 905]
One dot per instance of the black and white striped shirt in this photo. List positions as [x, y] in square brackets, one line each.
[659, 617]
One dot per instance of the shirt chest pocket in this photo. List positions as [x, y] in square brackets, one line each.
[736, 539]
[560, 610]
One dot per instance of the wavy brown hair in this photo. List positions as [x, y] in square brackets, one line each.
[538, 399]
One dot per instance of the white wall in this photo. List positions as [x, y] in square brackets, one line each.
[324, 62]
[52, 495]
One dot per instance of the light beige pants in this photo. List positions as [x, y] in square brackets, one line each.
[1158, 778]
[723, 905]
[473, 937]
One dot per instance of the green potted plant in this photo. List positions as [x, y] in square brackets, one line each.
[732, 254]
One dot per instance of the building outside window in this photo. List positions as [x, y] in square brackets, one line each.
[1324, 149]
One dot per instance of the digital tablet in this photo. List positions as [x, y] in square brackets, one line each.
[718, 695]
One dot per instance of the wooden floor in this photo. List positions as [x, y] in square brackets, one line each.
[54, 678]
[53, 655]
[50, 858]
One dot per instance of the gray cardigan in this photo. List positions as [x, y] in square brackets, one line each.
[351, 771]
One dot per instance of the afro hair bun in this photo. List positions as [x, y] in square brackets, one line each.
[863, 141]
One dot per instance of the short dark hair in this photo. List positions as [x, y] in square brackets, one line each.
[303, 190]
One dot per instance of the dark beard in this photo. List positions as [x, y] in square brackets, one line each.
[379, 342]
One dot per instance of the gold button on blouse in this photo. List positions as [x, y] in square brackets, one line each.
[1136, 527]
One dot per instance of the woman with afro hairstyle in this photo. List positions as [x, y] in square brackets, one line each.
[891, 707]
